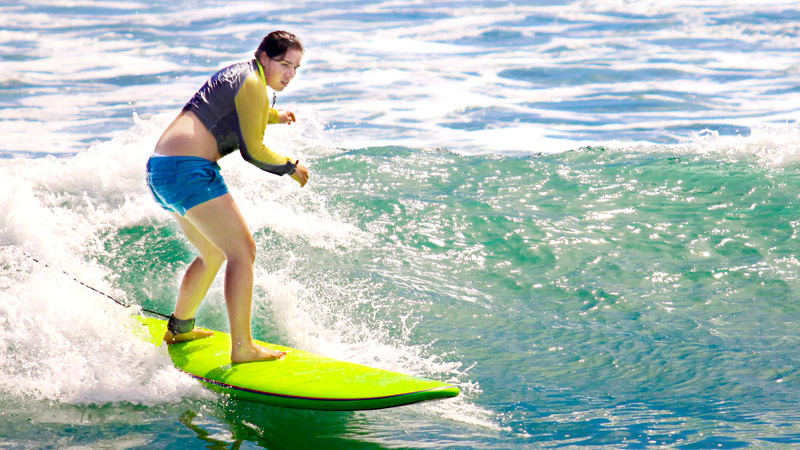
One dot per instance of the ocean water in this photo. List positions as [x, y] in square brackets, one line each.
[584, 213]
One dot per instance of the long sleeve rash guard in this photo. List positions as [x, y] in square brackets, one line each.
[233, 105]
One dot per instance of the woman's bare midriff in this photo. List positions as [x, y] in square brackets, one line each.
[187, 136]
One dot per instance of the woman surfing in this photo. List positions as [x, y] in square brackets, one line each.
[230, 112]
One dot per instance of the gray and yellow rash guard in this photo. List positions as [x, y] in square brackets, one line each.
[233, 105]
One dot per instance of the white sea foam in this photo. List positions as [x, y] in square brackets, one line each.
[58, 339]
[63, 342]
[771, 146]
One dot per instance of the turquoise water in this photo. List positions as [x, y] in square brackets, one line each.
[582, 213]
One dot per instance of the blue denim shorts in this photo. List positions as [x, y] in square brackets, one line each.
[179, 183]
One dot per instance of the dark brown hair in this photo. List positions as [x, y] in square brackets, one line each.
[277, 43]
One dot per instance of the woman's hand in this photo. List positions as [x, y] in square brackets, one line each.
[300, 174]
[285, 116]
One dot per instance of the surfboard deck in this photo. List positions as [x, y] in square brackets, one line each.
[300, 380]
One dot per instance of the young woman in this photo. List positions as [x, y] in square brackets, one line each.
[230, 112]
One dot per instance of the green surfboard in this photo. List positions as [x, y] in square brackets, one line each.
[300, 380]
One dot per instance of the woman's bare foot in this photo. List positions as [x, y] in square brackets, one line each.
[197, 333]
[254, 352]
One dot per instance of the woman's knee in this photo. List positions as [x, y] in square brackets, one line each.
[250, 250]
[212, 258]
[244, 252]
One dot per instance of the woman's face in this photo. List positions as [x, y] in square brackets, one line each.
[279, 72]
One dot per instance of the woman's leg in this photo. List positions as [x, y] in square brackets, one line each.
[221, 223]
[198, 278]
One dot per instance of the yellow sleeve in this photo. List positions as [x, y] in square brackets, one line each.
[253, 112]
[274, 116]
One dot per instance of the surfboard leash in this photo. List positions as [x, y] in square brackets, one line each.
[70, 276]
